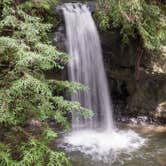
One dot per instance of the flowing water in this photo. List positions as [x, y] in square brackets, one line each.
[86, 66]
[97, 138]
[152, 152]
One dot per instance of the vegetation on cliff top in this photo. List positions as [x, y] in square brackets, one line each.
[135, 18]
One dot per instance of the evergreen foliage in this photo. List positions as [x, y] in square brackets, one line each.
[134, 17]
[25, 54]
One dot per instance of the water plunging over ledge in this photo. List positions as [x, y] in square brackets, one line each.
[86, 66]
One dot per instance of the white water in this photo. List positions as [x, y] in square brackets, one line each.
[103, 146]
[86, 66]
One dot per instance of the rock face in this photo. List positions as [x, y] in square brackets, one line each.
[134, 93]
[132, 96]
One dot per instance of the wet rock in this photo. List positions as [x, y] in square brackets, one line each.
[161, 111]
[131, 97]
[139, 120]
[32, 123]
[59, 38]
[91, 5]
[33, 126]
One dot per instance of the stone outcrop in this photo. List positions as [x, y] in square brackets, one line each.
[142, 96]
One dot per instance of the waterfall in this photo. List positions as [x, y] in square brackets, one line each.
[96, 136]
[86, 67]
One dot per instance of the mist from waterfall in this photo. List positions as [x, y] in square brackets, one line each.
[86, 67]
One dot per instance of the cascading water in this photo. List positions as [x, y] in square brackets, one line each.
[86, 67]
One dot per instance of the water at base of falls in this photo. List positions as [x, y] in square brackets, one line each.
[103, 146]
[86, 67]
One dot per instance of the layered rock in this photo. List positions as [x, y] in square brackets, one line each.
[145, 95]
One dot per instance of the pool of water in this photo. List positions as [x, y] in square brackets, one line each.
[125, 148]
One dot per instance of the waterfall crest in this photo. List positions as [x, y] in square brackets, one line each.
[86, 67]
